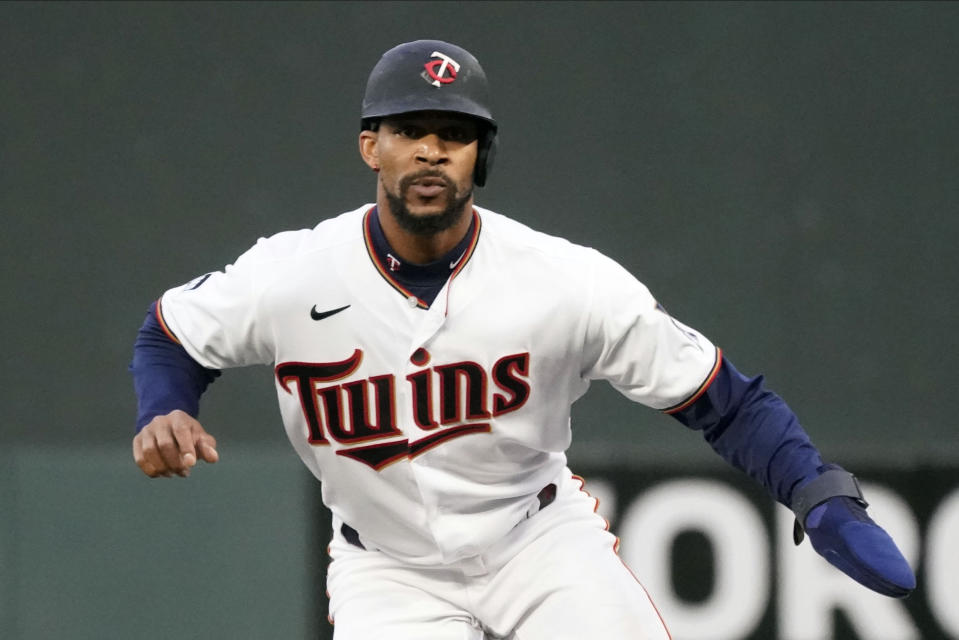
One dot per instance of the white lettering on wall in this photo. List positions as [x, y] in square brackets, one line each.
[740, 549]
[942, 564]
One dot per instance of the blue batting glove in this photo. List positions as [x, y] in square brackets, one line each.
[833, 513]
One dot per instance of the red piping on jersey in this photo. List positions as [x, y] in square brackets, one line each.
[385, 272]
[163, 324]
[472, 246]
[702, 388]
[669, 635]
[465, 257]
[582, 487]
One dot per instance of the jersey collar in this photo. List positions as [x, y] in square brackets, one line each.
[413, 281]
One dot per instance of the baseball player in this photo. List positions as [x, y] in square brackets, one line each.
[426, 353]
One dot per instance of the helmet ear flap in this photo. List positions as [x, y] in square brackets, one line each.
[485, 155]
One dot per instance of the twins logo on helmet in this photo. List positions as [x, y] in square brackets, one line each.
[442, 71]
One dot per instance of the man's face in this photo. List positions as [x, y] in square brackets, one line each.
[426, 161]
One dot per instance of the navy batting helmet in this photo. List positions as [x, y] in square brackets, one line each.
[432, 75]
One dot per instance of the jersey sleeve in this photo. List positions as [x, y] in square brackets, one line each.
[632, 342]
[217, 317]
[165, 377]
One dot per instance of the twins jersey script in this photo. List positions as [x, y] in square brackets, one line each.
[433, 427]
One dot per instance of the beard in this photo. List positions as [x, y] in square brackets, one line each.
[428, 224]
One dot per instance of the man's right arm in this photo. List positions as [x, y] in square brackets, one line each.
[168, 385]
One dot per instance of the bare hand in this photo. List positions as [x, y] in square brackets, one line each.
[172, 444]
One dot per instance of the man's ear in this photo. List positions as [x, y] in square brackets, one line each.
[368, 149]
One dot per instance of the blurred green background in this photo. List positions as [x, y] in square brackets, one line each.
[782, 176]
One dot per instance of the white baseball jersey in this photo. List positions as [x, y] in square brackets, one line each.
[433, 429]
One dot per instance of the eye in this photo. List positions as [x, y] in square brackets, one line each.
[409, 131]
[462, 134]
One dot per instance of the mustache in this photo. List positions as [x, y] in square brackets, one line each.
[407, 181]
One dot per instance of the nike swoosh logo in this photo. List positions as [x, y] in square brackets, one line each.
[319, 315]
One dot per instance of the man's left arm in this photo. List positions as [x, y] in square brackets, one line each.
[754, 430]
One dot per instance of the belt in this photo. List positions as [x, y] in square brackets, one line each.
[545, 496]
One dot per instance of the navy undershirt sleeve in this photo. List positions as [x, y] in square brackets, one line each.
[754, 430]
[165, 377]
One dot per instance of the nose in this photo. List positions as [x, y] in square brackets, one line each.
[432, 150]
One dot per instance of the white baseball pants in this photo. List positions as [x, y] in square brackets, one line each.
[556, 576]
